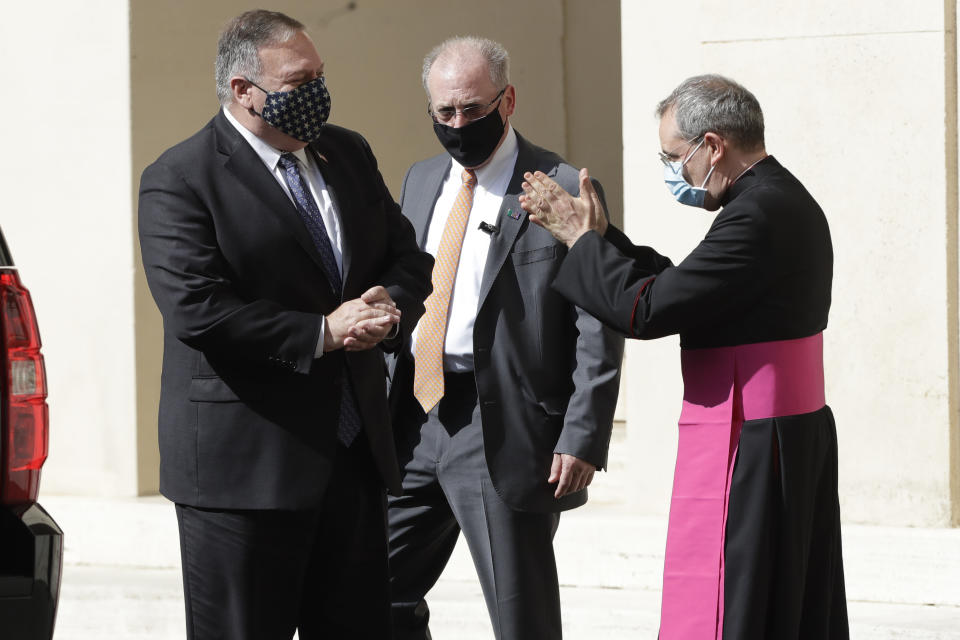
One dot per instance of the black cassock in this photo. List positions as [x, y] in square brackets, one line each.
[753, 549]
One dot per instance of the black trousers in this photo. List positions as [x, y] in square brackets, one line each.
[260, 575]
[446, 490]
[784, 563]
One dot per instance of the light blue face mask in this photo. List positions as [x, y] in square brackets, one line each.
[683, 191]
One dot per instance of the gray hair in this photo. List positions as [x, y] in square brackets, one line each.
[240, 43]
[498, 60]
[714, 103]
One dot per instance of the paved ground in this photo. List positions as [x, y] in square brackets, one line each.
[122, 577]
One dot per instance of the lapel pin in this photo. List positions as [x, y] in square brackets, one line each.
[513, 214]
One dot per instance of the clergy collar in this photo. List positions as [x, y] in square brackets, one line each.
[748, 178]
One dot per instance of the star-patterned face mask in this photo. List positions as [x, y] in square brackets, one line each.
[299, 113]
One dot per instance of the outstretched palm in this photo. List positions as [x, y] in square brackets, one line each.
[565, 217]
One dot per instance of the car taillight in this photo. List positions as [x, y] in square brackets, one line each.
[24, 420]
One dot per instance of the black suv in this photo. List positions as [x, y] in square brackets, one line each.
[31, 543]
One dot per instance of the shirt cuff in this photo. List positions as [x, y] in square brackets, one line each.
[323, 329]
[394, 332]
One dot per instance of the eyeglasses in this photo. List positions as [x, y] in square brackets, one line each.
[322, 78]
[668, 158]
[470, 113]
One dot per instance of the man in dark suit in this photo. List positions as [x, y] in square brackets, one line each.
[753, 546]
[504, 403]
[281, 265]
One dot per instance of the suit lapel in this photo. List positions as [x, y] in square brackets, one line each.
[421, 214]
[510, 221]
[244, 163]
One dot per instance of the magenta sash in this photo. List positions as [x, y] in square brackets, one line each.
[722, 388]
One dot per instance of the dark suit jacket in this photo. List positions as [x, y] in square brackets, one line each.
[248, 417]
[763, 272]
[547, 373]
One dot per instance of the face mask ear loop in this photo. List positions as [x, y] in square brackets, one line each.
[704, 185]
[252, 110]
[691, 154]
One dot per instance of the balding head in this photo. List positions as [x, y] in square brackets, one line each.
[466, 53]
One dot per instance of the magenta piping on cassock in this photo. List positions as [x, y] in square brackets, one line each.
[723, 387]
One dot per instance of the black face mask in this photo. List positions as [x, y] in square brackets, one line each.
[472, 144]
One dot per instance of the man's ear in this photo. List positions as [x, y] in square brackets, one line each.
[241, 88]
[716, 147]
[509, 100]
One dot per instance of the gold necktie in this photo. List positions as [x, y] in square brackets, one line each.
[432, 331]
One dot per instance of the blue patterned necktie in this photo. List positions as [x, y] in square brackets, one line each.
[350, 421]
[310, 213]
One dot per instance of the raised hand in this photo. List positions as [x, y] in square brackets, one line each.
[564, 216]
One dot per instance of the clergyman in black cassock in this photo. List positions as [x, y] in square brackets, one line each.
[753, 547]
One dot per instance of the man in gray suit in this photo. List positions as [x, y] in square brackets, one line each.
[504, 402]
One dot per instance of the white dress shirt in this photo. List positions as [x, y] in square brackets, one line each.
[492, 182]
[318, 189]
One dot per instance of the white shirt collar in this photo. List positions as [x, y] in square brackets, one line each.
[503, 160]
[268, 153]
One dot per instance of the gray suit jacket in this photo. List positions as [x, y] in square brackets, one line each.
[547, 372]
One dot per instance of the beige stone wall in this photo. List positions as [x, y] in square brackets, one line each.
[591, 50]
[860, 104]
[952, 155]
[66, 213]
